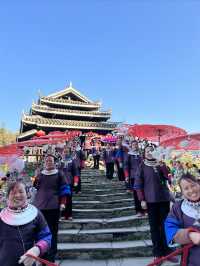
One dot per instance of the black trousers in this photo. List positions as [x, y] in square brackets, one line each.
[138, 207]
[120, 172]
[52, 218]
[96, 161]
[109, 170]
[157, 213]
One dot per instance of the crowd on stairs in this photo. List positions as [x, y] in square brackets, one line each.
[58, 181]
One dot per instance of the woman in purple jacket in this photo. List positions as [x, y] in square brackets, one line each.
[109, 159]
[184, 215]
[23, 229]
[70, 172]
[132, 166]
[153, 192]
[52, 190]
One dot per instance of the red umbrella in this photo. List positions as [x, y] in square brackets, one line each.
[185, 142]
[51, 138]
[35, 142]
[54, 133]
[195, 136]
[10, 150]
[68, 135]
[155, 132]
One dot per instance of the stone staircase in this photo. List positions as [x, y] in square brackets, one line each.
[104, 225]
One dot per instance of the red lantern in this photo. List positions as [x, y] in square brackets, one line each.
[40, 133]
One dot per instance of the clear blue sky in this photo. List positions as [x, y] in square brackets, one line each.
[140, 57]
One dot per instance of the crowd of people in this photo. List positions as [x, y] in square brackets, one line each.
[36, 211]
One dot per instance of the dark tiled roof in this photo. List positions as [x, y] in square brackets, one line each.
[40, 121]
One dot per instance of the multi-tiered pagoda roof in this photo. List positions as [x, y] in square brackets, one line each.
[66, 110]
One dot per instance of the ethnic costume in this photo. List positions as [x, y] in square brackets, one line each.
[132, 166]
[51, 192]
[96, 156]
[21, 229]
[151, 186]
[71, 174]
[183, 215]
[109, 159]
[119, 160]
[79, 158]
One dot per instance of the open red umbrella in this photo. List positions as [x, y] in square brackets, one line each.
[52, 138]
[155, 132]
[195, 136]
[184, 142]
[36, 142]
[11, 149]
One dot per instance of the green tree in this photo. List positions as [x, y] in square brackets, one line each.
[6, 136]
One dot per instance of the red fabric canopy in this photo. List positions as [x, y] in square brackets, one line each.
[155, 132]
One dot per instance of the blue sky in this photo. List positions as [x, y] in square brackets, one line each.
[141, 58]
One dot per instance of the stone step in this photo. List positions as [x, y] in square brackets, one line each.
[98, 177]
[104, 225]
[103, 191]
[144, 261]
[102, 185]
[104, 250]
[91, 179]
[103, 198]
[104, 235]
[105, 194]
[91, 170]
[77, 204]
[86, 224]
[100, 181]
[102, 213]
[92, 175]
